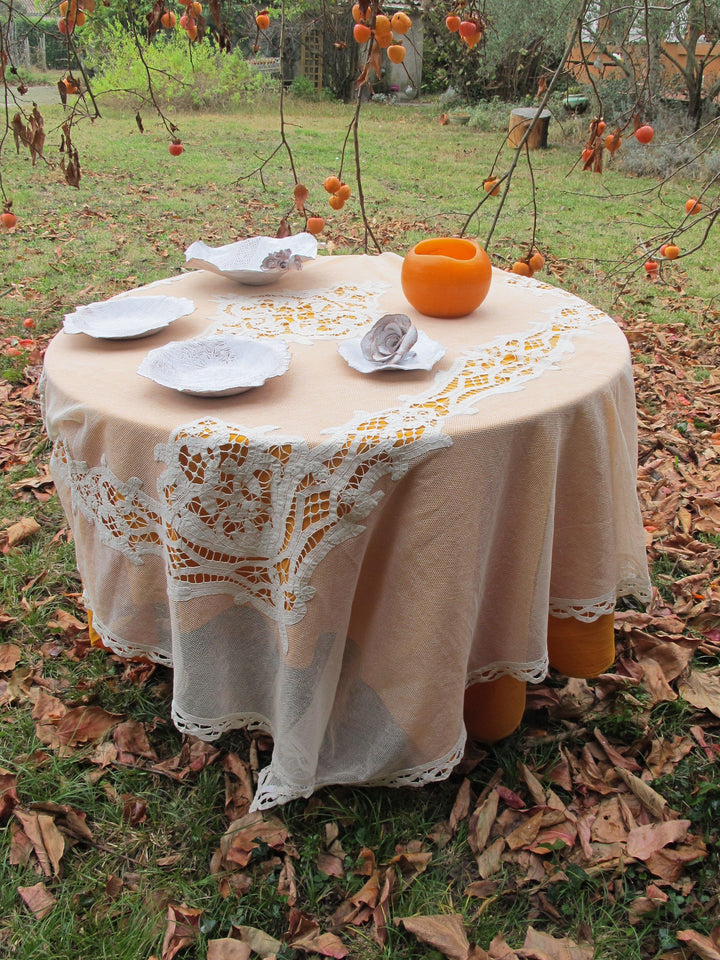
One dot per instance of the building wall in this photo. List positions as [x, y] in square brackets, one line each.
[611, 68]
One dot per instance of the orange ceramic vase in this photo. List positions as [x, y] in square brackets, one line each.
[446, 276]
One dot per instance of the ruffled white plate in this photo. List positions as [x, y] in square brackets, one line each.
[423, 356]
[127, 318]
[241, 261]
[216, 366]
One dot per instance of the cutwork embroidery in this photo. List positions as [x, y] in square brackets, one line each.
[338, 312]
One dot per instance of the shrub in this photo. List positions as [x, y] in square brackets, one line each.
[203, 78]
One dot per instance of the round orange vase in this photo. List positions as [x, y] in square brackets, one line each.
[446, 276]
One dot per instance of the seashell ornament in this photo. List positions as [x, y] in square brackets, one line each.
[390, 339]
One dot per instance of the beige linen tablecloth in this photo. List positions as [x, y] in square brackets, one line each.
[333, 557]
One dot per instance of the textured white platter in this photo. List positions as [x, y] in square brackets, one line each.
[216, 366]
[423, 356]
[242, 261]
[127, 318]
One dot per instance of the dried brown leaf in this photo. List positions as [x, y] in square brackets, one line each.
[228, 949]
[8, 794]
[83, 724]
[481, 822]
[539, 944]
[490, 859]
[702, 689]
[461, 806]
[259, 941]
[182, 930]
[300, 194]
[47, 842]
[19, 532]
[444, 932]
[131, 741]
[38, 899]
[699, 944]
[10, 653]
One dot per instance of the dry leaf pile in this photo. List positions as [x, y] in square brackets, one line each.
[597, 808]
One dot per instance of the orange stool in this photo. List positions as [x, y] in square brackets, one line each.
[493, 709]
[580, 649]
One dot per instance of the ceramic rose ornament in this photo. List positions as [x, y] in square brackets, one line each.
[390, 339]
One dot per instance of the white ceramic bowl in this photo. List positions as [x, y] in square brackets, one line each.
[242, 261]
[127, 318]
[216, 366]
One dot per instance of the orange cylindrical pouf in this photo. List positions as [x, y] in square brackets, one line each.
[580, 649]
[95, 640]
[493, 709]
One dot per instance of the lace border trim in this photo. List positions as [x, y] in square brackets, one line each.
[271, 794]
[209, 730]
[534, 672]
[588, 611]
[129, 651]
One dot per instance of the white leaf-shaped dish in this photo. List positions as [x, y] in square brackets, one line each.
[216, 366]
[242, 261]
[423, 356]
[127, 318]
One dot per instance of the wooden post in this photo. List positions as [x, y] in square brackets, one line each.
[520, 120]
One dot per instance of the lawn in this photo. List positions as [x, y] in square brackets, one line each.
[111, 843]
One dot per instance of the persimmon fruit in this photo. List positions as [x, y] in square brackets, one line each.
[28, 323]
[645, 133]
[492, 186]
[651, 266]
[587, 154]
[361, 33]
[8, 219]
[453, 22]
[396, 53]
[336, 202]
[693, 206]
[613, 143]
[401, 22]
[672, 251]
[262, 20]
[468, 29]
[382, 25]
[343, 192]
[332, 184]
[536, 262]
[357, 14]
[314, 225]
[521, 268]
[175, 148]
[168, 20]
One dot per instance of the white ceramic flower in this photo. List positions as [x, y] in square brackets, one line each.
[390, 339]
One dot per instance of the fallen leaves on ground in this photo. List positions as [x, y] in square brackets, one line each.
[182, 930]
[38, 899]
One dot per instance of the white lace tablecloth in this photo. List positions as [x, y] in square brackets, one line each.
[334, 557]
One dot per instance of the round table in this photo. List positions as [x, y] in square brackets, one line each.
[367, 566]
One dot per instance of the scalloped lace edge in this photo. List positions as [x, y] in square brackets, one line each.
[210, 730]
[271, 794]
[587, 611]
[130, 651]
[534, 672]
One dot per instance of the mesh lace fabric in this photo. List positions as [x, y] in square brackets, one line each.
[232, 570]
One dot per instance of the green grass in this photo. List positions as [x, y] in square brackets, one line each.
[136, 211]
